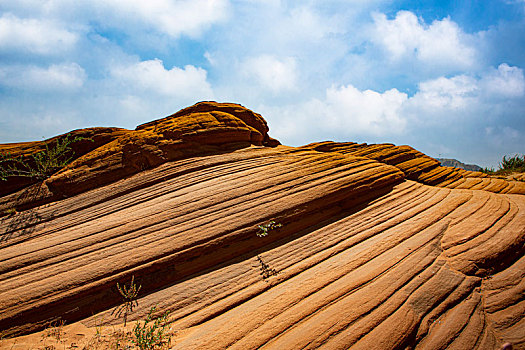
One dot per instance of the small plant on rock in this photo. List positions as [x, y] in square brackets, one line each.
[266, 270]
[10, 211]
[40, 165]
[264, 229]
[129, 295]
[152, 335]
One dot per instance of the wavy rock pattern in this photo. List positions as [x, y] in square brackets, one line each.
[419, 167]
[369, 254]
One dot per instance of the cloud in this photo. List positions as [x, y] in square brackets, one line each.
[56, 77]
[346, 113]
[34, 35]
[441, 43]
[462, 94]
[271, 73]
[151, 77]
[451, 93]
[173, 18]
[368, 112]
[506, 82]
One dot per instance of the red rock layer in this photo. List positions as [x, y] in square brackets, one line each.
[204, 128]
[419, 167]
[182, 218]
[368, 255]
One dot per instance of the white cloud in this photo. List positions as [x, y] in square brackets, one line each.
[450, 93]
[34, 35]
[464, 93]
[505, 82]
[271, 73]
[368, 111]
[170, 17]
[346, 113]
[65, 76]
[151, 77]
[442, 42]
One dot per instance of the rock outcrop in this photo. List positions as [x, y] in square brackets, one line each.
[377, 246]
[204, 128]
[457, 164]
[422, 168]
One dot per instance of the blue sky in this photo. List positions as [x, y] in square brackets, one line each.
[445, 77]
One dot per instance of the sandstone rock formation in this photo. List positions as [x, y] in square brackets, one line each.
[422, 168]
[378, 248]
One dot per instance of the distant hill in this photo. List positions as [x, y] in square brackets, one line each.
[457, 164]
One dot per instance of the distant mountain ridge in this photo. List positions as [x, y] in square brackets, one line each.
[457, 164]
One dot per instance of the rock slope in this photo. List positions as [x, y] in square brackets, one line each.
[376, 249]
[422, 168]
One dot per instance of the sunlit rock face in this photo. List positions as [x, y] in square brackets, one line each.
[377, 247]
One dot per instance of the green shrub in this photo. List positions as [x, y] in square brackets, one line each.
[264, 229]
[507, 165]
[515, 163]
[40, 165]
[149, 335]
[129, 296]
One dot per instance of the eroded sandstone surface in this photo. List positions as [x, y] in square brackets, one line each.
[378, 246]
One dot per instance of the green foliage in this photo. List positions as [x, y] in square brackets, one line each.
[515, 163]
[151, 335]
[129, 296]
[264, 229]
[10, 211]
[507, 165]
[487, 170]
[40, 165]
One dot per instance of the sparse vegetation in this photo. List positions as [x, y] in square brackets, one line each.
[508, 165]
[10, 211]
[54, 330]
[40, 165]
[149, 335]
[264, 229]
[266, 270]
[129, 295]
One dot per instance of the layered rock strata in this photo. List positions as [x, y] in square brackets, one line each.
[374, 249]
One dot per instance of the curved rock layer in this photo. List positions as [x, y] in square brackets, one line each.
[364, 259]
[365, 253]
[204, 128]
[419, 167]
[64, 259]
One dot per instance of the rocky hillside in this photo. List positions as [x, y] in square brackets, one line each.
[457, 164]
[372, 246]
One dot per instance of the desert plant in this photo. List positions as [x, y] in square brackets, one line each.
[265, 228]
[488, 170]
[508, 165]
[129, 296]
[266, 270]
[10, 211]
[56, 329]
[149, 335]
[514, 163]
[40, 165]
